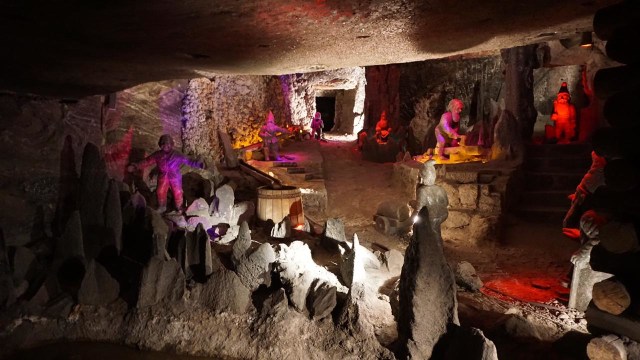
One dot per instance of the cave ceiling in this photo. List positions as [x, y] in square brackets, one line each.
[77, 48]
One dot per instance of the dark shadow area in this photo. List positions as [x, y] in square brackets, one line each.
[327, 107]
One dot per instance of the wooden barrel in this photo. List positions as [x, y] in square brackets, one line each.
[275, 204]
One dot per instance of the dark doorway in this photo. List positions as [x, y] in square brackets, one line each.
[327, 107]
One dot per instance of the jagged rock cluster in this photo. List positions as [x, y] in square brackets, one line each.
[119, 271]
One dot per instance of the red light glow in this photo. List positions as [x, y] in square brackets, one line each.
[538, 289]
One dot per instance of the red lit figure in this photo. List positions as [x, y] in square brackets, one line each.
[564, 116]
[168, 162]
[382, 128]
[447, 128]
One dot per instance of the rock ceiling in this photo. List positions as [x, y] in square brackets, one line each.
[73, 48]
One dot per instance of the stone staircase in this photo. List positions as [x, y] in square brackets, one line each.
[552, 172]
[293, 168]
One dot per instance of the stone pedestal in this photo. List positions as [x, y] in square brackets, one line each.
[477, 196]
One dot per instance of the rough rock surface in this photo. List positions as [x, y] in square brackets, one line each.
[256, 268]
[224, 292]
[260, 41]
[298, 271]
[162, 282]
[98, 287]
[428, 305]
[466, 276]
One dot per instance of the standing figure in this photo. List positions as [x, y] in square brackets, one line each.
[447, 129]
[382, 129]
[564, 116]
[168, 162]
[432, 196]
[268, 133]
[316, 126]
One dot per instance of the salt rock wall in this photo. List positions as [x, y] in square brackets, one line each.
[33, 130]
[426, 87]
[383, 84]
[137, 119]
[237, 105]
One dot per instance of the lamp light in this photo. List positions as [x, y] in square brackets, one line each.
[586, 40]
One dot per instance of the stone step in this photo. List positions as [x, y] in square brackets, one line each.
[552, 180]
[555, 198]
[295, 170]
[578, 164]
[286, 164]
[558, 150]
[313, 177]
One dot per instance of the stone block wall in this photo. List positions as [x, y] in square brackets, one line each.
[237, 105]
[300, 93]
[477, 195]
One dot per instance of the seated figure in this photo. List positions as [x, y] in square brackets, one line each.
[382, 128]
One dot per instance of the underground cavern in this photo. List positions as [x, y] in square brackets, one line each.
[468, 188]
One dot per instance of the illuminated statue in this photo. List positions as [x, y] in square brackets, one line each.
[269, 134]
[382, 128]
[447, 129]
[168, 162]
[316, 126]
[564, 116]
[432, 196]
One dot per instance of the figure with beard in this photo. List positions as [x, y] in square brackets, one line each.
[447, 130]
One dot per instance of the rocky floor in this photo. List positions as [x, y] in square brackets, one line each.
[523, 303]
[521, 308]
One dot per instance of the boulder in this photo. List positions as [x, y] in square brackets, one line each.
[162, 282]
[224, 292]
[255, 269]
[466, 276]
[199, 207]
[321, 300]
[98, 287]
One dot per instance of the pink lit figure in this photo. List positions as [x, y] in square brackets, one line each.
[168, 162]
[447, 129]
[268, 133]
[316, 126]
[564, 116]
